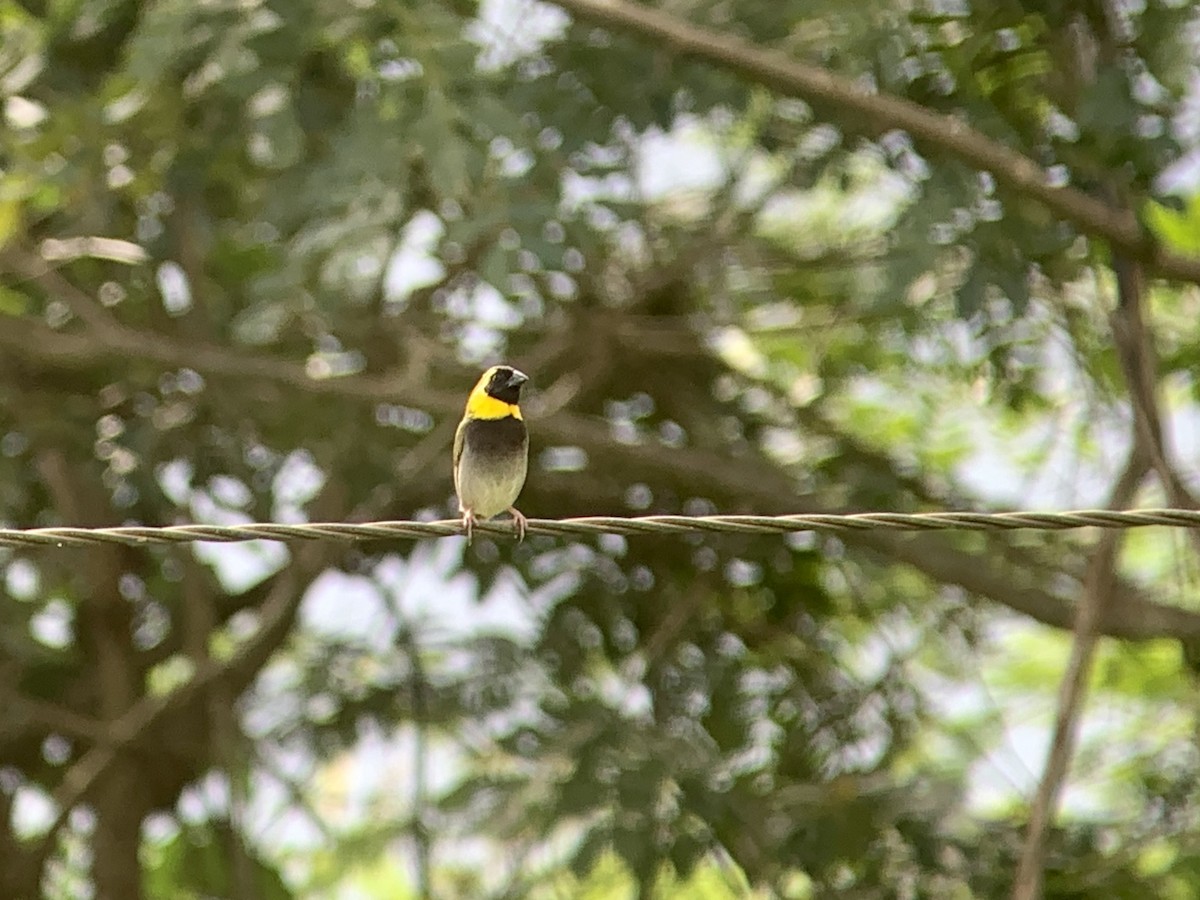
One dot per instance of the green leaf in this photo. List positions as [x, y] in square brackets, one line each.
[196, 863]
[1178, 229]
[444, 148]
[12, 302]
[971, 297]
[10, 219]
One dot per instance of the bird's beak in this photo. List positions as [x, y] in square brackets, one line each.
[516, 379]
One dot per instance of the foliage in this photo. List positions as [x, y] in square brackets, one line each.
[253, 254]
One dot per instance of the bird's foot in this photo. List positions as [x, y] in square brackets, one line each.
[468, 523]
[519, 521]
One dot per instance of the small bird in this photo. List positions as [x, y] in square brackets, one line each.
[491, 449]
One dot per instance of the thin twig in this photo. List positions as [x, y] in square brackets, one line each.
[1099, 585]
[1145, 454]
[1139, 362]
[422, 838]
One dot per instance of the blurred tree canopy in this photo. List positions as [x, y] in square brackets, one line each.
[762, 257]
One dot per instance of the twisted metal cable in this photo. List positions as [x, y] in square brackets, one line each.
[139, 535]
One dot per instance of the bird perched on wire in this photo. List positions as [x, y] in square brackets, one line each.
[491, 449]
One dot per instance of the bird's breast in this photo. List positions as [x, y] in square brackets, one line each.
[496, 436]
[491, 471]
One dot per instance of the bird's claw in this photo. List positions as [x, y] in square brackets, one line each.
[519, 521]
[469, 520]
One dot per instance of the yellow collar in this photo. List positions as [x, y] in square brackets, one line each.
[482, 405]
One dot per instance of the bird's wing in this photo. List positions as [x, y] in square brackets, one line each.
[458, 448]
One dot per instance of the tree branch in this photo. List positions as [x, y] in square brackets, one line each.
[276, 615]
[47, 717]
[756, 486]
[1139, 363]
[931, 130]
[1135, 349]
[1098, 591]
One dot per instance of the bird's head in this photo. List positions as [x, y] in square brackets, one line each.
[497, 393]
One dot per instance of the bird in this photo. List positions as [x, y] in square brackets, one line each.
[491, 450]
